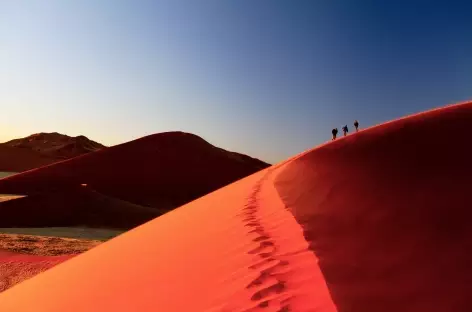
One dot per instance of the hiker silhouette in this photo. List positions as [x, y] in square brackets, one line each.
[345, 130]
[334, 132]
[356, 124]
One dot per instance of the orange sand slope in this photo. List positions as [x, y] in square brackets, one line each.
[376, 221]
[14, 268]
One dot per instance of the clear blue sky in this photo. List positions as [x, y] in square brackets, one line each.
[266, 78]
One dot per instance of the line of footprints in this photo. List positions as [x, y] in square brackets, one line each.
[269, 285]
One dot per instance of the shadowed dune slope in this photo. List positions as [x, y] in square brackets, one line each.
[164, 170]
[376, 221]
[15, 159]
[388, 213]
[79, 206]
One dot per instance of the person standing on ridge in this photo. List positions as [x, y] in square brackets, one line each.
[334, 132]
[345, 130]
[356, 124]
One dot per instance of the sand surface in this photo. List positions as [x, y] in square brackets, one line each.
[24, 256]
[16, 268]
[376, 221]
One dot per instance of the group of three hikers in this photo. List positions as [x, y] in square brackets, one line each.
[345, 129]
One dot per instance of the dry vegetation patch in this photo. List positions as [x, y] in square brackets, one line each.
[45, 245]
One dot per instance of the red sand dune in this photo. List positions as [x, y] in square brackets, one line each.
[376, 221]
[14, 268]
[79, 206]
[41, 149]
[14, 159]
[164, 170]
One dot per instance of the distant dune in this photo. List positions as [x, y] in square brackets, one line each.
[379, 220]
[41, 149]
[164, 171]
